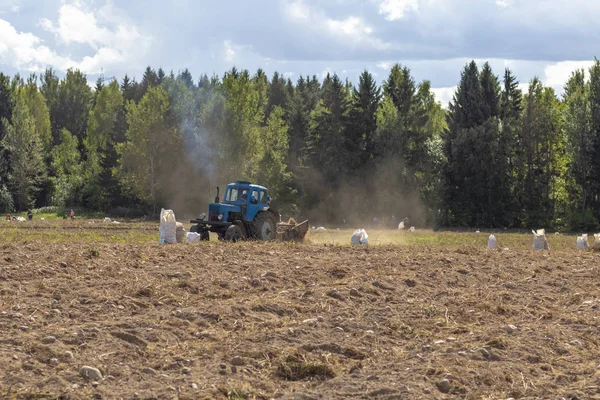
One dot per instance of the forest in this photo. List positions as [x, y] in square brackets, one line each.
[332, 150]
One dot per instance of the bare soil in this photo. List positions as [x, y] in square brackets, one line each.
[257, 320]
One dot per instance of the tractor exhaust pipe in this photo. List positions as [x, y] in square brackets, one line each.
[217, 200]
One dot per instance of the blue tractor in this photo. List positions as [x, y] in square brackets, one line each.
[246, 213]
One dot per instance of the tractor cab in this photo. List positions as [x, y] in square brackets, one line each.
[246, 193]
[242, 201]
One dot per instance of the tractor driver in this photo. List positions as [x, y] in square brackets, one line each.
[244, 195]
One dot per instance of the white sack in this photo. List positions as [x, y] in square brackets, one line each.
[192, 237]
[360, 237]
[582, 242]
[492, 242]
[539, 240]
[168, 227]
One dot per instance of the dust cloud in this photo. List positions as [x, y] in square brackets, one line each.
[189, 183]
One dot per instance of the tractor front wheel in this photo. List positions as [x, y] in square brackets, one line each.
[263, 227]
[233, 233]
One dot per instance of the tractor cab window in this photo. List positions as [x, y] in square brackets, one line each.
[232, 194]
[254, 197]
[263, 197]
[236, 194]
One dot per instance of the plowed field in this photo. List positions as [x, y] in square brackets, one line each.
[294, 321]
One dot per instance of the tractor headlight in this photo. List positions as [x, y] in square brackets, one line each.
[220, 217]
[202, 216]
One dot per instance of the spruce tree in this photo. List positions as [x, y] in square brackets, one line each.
[278, 93]
[23, 149]
[490, 91]
[359, 141]
[400, 87]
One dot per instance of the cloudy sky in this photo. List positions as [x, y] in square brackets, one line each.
[434, 38]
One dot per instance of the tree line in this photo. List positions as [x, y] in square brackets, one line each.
[331, 150]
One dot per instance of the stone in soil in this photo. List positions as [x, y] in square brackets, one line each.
[49, 340]
[90, 372]
[443, 385]
[510, 329]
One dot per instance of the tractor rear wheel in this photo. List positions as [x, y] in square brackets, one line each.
[233, 233]
[240, 224]
[263, 227]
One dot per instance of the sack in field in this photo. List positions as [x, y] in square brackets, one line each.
[192, 237]
[492, 242]
[539, 240]
[582, 242]
[168, 227]
[180, 233]
[360, 237]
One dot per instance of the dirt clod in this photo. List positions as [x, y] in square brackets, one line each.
[130, 338]
[149, 371]
[48, 340]
[238, 361]
[444, 385]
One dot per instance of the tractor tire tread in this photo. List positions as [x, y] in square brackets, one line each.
[259, 220]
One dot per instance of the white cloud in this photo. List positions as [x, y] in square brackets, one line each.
[444, 95]
[524, 86]
[396, 9]
[351, 30]
[503, 3]
[298, 10]
[115, 41]
[351, 26]
[229, 51]
[557, 74]
[77, 26]
[24, 50]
